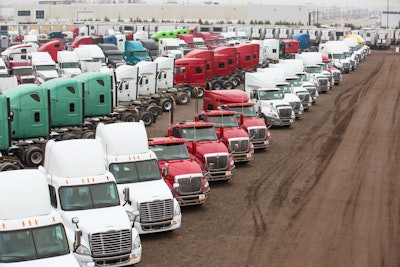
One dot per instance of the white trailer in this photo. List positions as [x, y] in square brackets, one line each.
[32, 232]
[85, 194]
[135, 167]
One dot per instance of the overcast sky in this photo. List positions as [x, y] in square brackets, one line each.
[381, 4]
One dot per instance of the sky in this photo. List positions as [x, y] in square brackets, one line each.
[381, 4]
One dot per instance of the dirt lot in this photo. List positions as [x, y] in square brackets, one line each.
[326, 193]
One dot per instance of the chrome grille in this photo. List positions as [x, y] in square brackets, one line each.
[156, 211]
[336, 75]
[111, 243]
[190, 184]
[322, 81]
[305, 98]
[312, 91]
[217, 162]
[284, 112]
[258, 133]
[239, 145]
[295, 105]
[346, 65]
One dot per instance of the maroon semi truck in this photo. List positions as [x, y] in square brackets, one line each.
[237, 100]
[182, 174]
[205, 148]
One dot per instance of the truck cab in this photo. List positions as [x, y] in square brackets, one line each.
[270, 100]
[44, 67]
[229, 132]
[180, 172]
[32, 233]
[206, 149]
[22, 70]
[85, 195]
[237, 100]
[151, 204]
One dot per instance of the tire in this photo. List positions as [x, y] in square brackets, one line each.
[129, 117]
[8, 166]
[88, 135]
[166, 104]
[147, 118]
[216, 85]
[34, 156]
[188, 91]
[153, 109]
[200, 92]
[228, 85]
[70, 136]
[235, 81]
[182, 98]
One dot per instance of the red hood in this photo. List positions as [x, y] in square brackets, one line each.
[178, 167]
[208, 147]
[233, 132]
[252, 121]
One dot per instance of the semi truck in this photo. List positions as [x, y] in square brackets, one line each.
[32, 232]
[270, 100]
[68, 64]
[134, 166]
[206, 149]
[134, 52]
[230, 132]
[44, 67]
[85, 195]
[237, 100]
[180, 172]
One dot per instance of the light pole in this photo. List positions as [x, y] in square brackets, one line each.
[387, 15]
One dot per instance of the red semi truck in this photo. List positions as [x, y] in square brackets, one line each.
[237, 100]
[230, 133]
[190, 75]
[180, 172]
[206, 149]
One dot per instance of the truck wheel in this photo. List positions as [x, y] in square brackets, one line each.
[188, 91]
[182, 98]
[166, 104]
[70, 136]
[216, 85]
[88, 135]
[147, 118]
[200, 92]
[235, 81]
[34, 156]
[228, 85]
[129, 117]
[153, 109]
[8, 166]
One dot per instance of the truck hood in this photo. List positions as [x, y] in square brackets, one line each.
[275, 103]
[147, 191]
[233, 133]
[291, 98]
[179, 167]
[253, 121]
[207, 147]
[71, 72]
[49, 74]
[97, 220]
[59, 261]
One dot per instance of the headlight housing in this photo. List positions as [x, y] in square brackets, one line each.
[83, 250]
[136, 242]
[177, 210]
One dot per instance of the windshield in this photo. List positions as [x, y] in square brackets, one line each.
[285, 88]
[22, 71]
[223, 120]
[312, 69]
[34, 243]
[45, 67]
[339, 56]
[303, 77]
[199, 134]
[294, 82]
[248, 111]
[141, 53]
[135, 171]
[170, 151]
[270, 94]
[90, 196]
[115, 57]
[172, 47]
[70, 65]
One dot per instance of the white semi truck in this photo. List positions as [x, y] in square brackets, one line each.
[44, 67]
[134, 166]
[68, 64]
[32, 233]
[270, 100]
[85, 195]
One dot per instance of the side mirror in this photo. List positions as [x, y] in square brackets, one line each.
[77, 242]
[165, 169]
[127, 195]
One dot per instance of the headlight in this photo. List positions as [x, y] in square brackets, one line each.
[136, 242]
[206, 184]
[231, 163]
[83, 250]
[177, 210]
[130, 215]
